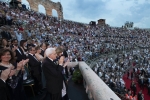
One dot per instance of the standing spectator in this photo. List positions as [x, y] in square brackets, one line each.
[35, 66]
[140, 95]
[18, 36]
[53, 74]
[38, 55]
[148, 89]
[134, 89]
[20, 53]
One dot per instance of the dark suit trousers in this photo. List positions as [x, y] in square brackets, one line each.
[57, 96]
[37, 82]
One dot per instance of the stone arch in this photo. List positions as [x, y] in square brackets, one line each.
[54, 13]
[26, 3]
[41, 9]
[49, 5]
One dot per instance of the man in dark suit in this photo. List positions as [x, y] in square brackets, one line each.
[134, 89]
[140, 95]
[141, 83]
[20, 54]
[53, 74]
[35, 66]
[4, 92]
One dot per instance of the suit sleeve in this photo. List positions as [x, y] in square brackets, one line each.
[53, 70]
[32, 62]
[60, 68]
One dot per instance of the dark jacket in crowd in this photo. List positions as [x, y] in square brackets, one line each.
[53, 76]
[4, 92]
[20, 55]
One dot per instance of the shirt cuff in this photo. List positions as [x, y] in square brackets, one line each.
[61, 64]
[3, 80]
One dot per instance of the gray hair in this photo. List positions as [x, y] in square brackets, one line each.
[49, 51]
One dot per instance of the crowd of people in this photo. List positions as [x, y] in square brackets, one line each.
[29, 38]
[134, 64]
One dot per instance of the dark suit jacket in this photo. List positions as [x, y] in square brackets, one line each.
[34, 65]
[20, 55]
[139, 96]
[134, 88]
[4, 92]
[53, 76]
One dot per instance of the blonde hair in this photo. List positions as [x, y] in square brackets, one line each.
[59, 50]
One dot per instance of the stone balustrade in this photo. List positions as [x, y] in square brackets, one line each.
[95, 87]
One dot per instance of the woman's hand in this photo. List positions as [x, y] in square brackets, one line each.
[25, 61]
[12, 72]
[66, 63]
[20, 65]
[61, 60]
[23, 69]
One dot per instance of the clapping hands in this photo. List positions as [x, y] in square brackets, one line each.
[21, 64]
[61, 61]
[25, 61]
[66, 63]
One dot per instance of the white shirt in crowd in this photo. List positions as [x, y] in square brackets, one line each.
[18, 36]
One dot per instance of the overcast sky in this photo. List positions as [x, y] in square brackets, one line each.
[116, 12]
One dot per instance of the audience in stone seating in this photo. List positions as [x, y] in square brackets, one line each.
[28, 29]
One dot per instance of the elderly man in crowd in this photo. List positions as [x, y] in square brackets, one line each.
[83, 42]
[53, 74]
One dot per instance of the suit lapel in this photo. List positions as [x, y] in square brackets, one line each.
[21, 50]
[33, 58]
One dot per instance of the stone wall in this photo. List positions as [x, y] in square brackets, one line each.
[49, 5]
[95, 87]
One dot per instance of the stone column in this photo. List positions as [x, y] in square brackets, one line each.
[48, 11]
[60, 15]
[34, 7]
